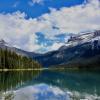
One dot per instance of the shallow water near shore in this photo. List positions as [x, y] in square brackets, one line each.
[49, 85]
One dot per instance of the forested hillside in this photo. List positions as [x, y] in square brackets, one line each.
[11, 60]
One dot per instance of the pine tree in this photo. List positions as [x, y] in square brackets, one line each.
[11, 60]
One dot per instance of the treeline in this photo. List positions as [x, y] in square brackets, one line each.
[11, 60]
[92, 64]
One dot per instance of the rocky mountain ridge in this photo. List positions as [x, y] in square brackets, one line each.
[79, 46]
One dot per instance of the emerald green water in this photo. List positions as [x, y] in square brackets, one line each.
[49, 85]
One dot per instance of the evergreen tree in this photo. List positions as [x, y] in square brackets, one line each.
[11, 60]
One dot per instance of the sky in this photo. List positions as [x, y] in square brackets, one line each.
[45, 25]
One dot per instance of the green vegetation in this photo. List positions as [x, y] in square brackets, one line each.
[15, 79]
[11, 60]
[92, 63]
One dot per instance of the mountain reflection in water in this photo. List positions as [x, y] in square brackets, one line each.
[49, 85]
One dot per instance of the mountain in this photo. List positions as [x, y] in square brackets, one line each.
[11, 60]
[80, 49]
[5, 45]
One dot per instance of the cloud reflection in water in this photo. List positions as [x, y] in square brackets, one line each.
[41, 92]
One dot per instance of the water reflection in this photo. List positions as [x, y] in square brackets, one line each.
[15, 79]
[41, 92]
[50, 85]
[87, 82]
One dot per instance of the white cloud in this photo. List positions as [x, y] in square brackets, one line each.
[77, 18]
[20, 31]
[16, 4]
[40, 2]
[56, 46]
[37, 1]
[17, 30]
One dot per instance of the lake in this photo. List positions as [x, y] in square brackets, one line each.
[49, 85]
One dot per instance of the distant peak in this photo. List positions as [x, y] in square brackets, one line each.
[2, 42]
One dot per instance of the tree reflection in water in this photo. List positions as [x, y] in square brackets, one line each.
[77, 85]
[14, 79]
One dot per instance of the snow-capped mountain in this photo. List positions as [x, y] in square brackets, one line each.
[83, 38]
[79, 46]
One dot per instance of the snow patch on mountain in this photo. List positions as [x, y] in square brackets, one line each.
[82, 38]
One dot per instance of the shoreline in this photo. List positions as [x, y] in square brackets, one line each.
[5, 70]
[41, 69]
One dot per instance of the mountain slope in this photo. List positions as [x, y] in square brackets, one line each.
[79, 48]
[4, 45]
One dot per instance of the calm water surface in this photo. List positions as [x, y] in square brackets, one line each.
[49, 85]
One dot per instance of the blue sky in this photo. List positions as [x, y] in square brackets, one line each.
[45, 25]
[35, 9]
